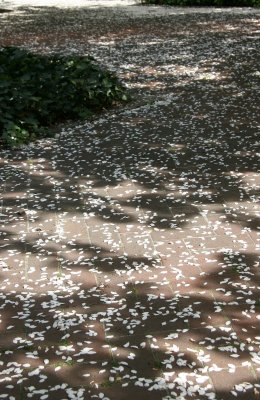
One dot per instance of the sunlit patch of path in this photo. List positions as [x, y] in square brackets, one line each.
[133, 6]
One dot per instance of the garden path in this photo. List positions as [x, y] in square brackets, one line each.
[129, 244]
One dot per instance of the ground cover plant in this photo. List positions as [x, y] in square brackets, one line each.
[214, 3]
[37, 91]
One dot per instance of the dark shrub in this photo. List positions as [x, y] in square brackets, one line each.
[38, 90]
[214, 3]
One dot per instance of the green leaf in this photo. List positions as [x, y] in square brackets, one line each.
[38, 90]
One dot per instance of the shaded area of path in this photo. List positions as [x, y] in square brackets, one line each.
[129, 244]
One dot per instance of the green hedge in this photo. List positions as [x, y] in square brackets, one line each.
[199, 3]
[37, 91]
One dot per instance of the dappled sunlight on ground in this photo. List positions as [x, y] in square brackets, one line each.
[129, 244]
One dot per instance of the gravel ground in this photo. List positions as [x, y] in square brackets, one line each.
[130, 244]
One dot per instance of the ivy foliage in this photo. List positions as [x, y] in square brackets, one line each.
[206, 3]
[37, 91]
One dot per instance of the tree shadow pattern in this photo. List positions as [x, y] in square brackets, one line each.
[129, 262]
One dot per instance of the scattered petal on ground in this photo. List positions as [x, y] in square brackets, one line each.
[129, 244]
